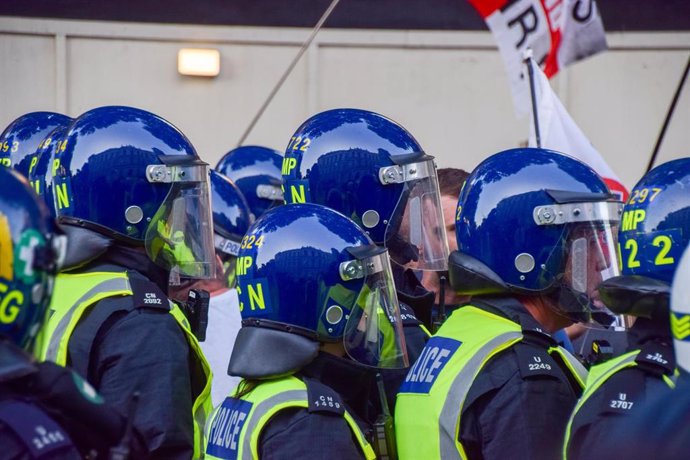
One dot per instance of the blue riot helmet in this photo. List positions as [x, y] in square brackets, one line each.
[654, 231]
[133, 177]
[231, 220]
[308, 275]
[30, 251]
[41, 165]
[536, 222]
[20, 140]
[256, 171]
[372, 170]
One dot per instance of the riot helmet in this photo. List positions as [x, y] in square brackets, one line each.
[231, 220]
[22, 138]
[372, 170]
[654, 231]
[30, 253]
[308, 275]
[256, 171]
[536, 222]
[132, 176]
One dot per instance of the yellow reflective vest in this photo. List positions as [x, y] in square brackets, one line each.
[431, 399]
[73, 294]
[598, 375]
[235, 426]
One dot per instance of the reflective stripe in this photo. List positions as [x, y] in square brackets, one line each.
[577, 369]
[58, 334]
[261, 410]
[449, 419]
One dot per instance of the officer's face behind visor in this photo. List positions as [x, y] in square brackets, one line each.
[179, 238]
[373, 333]
[416, 236]
[590, 245]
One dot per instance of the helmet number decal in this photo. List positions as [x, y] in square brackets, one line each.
[631, 245]
[13, 147]
[249, 241]
[664, 242]
[299, 143]
[640, 195]
[644, 251]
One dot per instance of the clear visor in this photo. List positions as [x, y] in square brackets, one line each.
[416, 235]
[590, 245]
[373, 333]
[179, 238]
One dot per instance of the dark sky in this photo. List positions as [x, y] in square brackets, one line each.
[618, 15]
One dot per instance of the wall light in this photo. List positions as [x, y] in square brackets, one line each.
[198, 62]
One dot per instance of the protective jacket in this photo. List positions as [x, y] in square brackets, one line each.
[468, 395]
[47, 411]
[618, 388]
[117, 328]
[296, 416]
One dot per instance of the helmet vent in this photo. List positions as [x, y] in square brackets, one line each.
[370, 219]
[524, 262]
[134, 214]
[334, 314]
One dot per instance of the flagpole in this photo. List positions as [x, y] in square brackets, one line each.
[530, 71]
[669, 114]
[287, 72]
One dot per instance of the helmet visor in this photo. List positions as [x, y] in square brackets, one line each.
[373, 333]
[590, 251]
[416, 235]
[179, 238]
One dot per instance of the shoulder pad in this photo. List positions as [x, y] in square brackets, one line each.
[534, 361]
[146, 293]
[323, 398]
[656, 359]
[623, 391]
[39, 433]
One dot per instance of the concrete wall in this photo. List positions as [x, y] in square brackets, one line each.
[448, 88]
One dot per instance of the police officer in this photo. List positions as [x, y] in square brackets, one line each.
[655, 229]
[231, 219]
[132, 194]
[372, 170]
[660, 429]
[256, 171]
[319, 315]
[535, 237]
[22, 138]
[46, 411]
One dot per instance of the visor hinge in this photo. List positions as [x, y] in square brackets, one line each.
[391, 175]
[158, 173]
[352, 269]
[544, 215]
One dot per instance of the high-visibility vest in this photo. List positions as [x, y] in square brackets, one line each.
[431, 399]
[598, 375]
[73, 294]
[235, 426]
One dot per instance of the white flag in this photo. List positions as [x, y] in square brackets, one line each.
[559, 132]
[559, 32]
